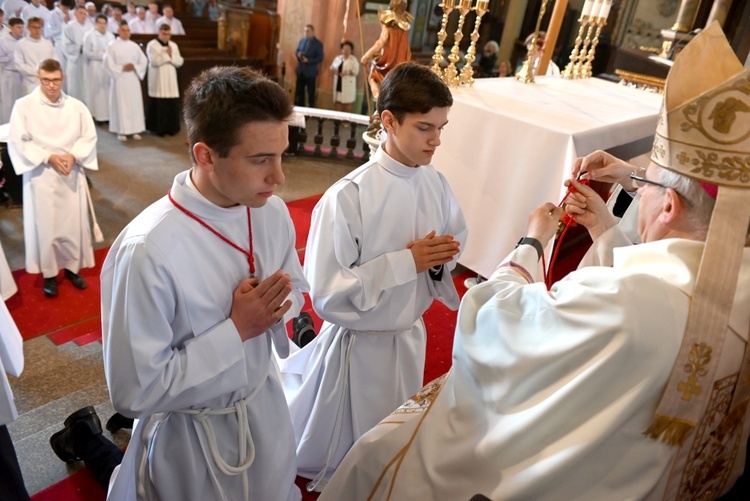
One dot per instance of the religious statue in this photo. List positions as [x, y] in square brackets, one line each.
[392, 45]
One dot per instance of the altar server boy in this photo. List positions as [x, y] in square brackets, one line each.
[382, 244]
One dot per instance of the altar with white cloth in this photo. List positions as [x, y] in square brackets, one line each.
[509, 146]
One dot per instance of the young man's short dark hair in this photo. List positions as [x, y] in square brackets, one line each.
[164, 27]
[412, 88]
[223, 99]
[15, 21]
[100, 16]
[50, 66]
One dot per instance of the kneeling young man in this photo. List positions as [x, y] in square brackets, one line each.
[195, 291]
[382, 244]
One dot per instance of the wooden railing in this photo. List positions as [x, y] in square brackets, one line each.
[335, 135]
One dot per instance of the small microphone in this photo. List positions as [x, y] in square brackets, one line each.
[677, 41]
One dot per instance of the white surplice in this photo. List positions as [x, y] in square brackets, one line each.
[72, 47]
[551, 391]
[169, 344]
[125, 97]
[56, 226]
[97, 94]
[29, 54]
[11, 80]
[369, 356]
[162, 69]
[11, 361]
[175, 25]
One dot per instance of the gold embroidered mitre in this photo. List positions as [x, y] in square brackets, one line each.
[704, 128]
[704, 133]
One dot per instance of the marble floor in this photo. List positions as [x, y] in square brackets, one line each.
[58, 380]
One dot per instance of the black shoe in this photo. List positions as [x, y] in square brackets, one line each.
[82, 421]
[304, 330]
[50, 287]
[76, 279]
[118, 422]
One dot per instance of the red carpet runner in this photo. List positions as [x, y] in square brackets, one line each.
[75, 316]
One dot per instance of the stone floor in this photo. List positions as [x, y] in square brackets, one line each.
[58, 380]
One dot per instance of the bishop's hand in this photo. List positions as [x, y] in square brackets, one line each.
[543, 222]
[257, 305]
[604, 167]
[587, 208]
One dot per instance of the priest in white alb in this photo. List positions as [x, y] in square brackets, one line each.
[31, 51]
[95, 45]
[163, 118]
[52, 139]
[629, 381]
[126, 65]
[72, 46]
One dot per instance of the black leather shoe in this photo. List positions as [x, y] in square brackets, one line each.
[50, 287]
[80, 422]
[304, 330]
[118, 422]
[76, 279]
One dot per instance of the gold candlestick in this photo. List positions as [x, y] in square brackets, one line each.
[451, 73]
[586, 69]
[569, 72]
[467, 72]
[447, 6]
[578, 67]
[526, 75]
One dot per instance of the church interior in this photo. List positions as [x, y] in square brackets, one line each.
[510, 143]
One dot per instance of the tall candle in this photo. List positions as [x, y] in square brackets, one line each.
[604, 11]
[587, 8]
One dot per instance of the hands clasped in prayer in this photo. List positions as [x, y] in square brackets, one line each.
[257, 305]
[433, 250]
[62, 163]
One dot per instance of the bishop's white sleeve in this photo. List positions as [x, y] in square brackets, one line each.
[345, 291]
[147, 370]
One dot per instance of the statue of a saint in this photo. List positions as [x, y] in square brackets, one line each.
[392, 46]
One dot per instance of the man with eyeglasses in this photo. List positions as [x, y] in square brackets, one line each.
[31, 51]
[52, 139]
[629, 381]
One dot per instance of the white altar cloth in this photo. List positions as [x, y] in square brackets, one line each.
[509, 146]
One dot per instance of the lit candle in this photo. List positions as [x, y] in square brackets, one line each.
[465, 5]
[604, 11]
[449, 4]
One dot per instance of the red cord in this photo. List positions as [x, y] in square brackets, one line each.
[568, 221]
[248, 254]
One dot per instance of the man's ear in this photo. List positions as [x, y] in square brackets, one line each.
[673, 207]
[204, 156]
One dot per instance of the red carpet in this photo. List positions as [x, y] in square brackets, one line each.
[75, 316]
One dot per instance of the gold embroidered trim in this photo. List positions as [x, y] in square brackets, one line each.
[711, 458]
[699, 358]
